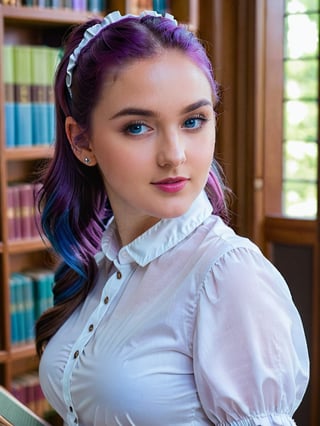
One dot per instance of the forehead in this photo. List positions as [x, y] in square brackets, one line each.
[168, 72]
[158, 69]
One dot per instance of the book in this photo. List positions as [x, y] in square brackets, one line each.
[79, 5]
[30, 295]
[161, 6]
[36, 222]
[26, 206]
[95, 6]
[39, 65]
[13, 311]
[23, 216]
[26, 388]
[11, 213]
[43, 280]
[23, 108]
[16, 285]
[9, 106]
[14, 413]
[53, 60]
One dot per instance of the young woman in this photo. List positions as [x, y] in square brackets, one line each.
[163, 315]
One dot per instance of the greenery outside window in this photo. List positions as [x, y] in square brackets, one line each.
[300, 108]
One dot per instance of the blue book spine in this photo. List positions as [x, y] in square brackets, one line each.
[51, 123]
[40, 283]
[28, 307]
[94, 5]
[13, 311]
[9, 86]
[53, 58]
[21, 335]
[9, 111]
[23, 120]
[160, 6]
[39, 73]
[40, 123]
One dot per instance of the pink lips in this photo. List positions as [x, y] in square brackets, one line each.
[171, 185]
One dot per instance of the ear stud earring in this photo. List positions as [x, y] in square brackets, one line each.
[86, 160]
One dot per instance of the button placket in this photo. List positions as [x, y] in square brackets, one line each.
[111, 289]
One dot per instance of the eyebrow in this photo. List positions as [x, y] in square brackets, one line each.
[150, 113]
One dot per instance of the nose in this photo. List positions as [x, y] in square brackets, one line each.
[171, 150]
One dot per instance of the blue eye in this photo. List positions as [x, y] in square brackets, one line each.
[194, 122]
[136, 129]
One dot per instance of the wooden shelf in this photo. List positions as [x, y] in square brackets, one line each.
[27, 246]
[3, 356]
[28, 153]
[23, 351]
[44, 16]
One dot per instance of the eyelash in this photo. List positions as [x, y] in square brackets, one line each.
[199, 117]
[127, 127]
[138, 123]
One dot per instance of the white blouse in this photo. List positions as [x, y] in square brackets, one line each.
[188, 325]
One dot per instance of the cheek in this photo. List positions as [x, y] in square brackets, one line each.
[203, 151]
[119, 165]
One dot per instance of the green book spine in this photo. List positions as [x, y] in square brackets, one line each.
[9, 95]
[39, 65]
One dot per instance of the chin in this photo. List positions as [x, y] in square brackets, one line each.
[175, 212]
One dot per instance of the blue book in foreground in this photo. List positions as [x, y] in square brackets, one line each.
[14, 413]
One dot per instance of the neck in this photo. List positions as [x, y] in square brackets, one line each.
[129, 231]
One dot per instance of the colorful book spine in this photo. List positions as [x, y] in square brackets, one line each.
[82, 5]
[23, 217]
[36, 216]
[8, 60]
[79, 5]
[14, 311]
[19, 308]
[30, 295]
[16, 212]
[95, 6]
[26, 388]
[25, 307]
[29, 101]
[11, 214]
[53, 60]
[43, 281]
[39, 99]
[23, 107]
[161, 6]
[26, 209]
[28, 306]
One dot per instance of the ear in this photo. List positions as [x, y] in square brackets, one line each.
[84, 154]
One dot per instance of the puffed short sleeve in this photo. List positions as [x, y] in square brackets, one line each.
[250, 356]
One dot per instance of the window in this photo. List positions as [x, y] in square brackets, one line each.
[300, 108]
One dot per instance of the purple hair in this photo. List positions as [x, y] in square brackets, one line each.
[73, 201]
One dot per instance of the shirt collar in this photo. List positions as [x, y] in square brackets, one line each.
[159, 238]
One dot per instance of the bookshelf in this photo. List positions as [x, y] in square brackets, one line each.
[38, 26]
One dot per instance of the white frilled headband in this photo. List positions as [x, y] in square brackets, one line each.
[91, 32]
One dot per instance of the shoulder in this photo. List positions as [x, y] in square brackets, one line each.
[219, 240]
[235, 265]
